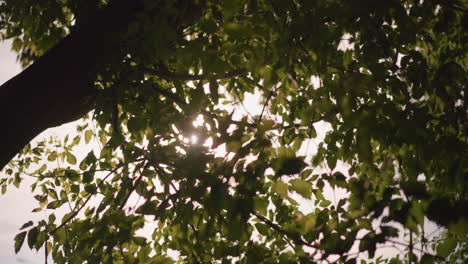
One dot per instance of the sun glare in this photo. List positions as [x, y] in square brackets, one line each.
[194, 139]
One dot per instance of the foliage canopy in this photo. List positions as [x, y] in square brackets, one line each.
[387, 77]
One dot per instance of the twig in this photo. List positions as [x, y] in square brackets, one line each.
[165, 178]
[137, 182]
[83, 205]
[170, 95]
[272, 92]
[293, 80]
[281, 231]
[45, 249]
[418, 249]
[410, 247]
[170, 76]
[454, 7]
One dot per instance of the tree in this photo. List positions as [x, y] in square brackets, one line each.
[387, 77]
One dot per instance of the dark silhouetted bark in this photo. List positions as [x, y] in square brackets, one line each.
[57, 87]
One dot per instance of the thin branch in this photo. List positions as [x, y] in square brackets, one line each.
[45, 249]
[181, 101]
[281, 231]
[135, 185]
[454, 7]
[293, 80]
[243, 105]
[269, 223]
[170, 95]
[147, 156]
[83, 205]
[155, 164]
[252, 82]
[270, 95]
[410, 247]
[165, 178]
[172, 76]
[415, 248]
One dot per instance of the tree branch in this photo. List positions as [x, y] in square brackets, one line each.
[58, 87]
[83, 205]
[281, 231]
[171, 76]
[417, 249]
[449, 5]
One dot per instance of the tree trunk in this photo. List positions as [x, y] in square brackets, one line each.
[57, 88]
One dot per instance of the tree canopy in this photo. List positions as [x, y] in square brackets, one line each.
[177, 171]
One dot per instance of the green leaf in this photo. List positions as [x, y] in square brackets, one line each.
[446, 247]
[88, 177]
[325, 203]
[19, 240]
[148, 208]
[102, 137]
[363, 145]
[75, 188]
[32, 237]
[71, 158]
[368, 242]
[262, 228]
[260, 205]
[415, 189]
[60, 235]
[233, 146]
[160, 260]
[290, 166]
[26, 225]
[417, 212]
[90, 188]
[40, 170]
[331, 161]
[55, 204]
[209, 26]
[88, 135]
[427, 259]
[235, 30]
[230, 7]
[136, 124]
[281, 189]
[308, 223]
[339, 176]
[88, 160]
[214, 95]
[302, 187]
[41, 237]
[52, 156]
